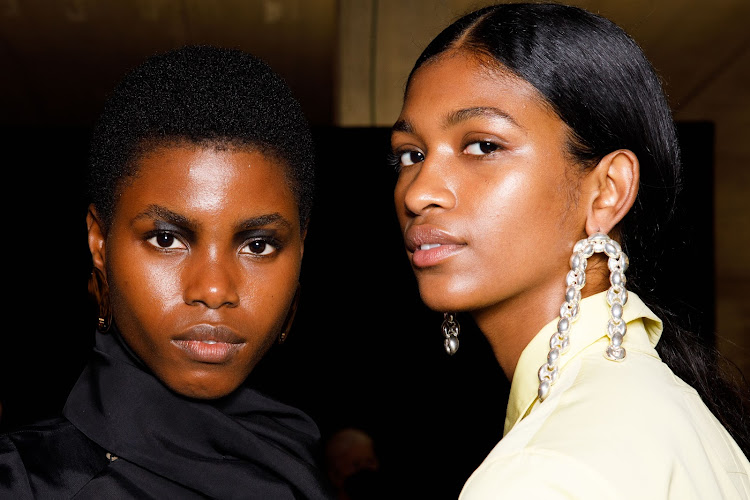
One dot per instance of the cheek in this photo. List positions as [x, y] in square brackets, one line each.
[503, 203]
[517, 218]
[534, 197]
[398, 198]
[267, 289]
[144, 290]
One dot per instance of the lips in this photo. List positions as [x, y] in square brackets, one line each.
[430, 245]
[209, 344]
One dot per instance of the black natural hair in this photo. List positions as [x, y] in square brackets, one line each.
[599, 82]
[202, 95]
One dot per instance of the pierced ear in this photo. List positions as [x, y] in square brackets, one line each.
[613, 187]
[97, 240]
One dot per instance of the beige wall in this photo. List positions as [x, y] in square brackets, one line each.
[378, 44]
[703, 55]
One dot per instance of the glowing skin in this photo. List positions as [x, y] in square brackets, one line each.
[484, 174]
[202, 260]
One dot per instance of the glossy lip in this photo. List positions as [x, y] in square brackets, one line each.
[209, 343]
[425, 234]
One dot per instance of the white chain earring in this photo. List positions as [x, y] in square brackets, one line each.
[617, 296]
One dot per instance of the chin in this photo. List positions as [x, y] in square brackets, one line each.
[438, 304]
[444, 302]
[448, 297]
[204, 387]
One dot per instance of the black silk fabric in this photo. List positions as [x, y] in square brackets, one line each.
[125, 435]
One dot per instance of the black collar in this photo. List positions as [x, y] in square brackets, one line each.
[243, 445]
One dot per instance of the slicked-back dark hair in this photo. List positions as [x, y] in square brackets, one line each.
[599, 82]
[203, 95]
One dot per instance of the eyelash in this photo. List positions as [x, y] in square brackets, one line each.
[495, 147]
[269, 242]
[394, 160]
[155, 234]
[394, 157]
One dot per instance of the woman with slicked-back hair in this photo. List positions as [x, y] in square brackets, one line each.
[538, 167]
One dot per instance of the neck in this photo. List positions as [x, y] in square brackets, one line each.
[510, 325]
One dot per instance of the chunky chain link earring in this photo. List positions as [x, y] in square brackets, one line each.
[617, 296]
[451, 329]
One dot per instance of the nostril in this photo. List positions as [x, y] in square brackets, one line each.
[428, 190]
[211, 286]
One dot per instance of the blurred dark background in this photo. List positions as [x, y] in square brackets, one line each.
[364, 351]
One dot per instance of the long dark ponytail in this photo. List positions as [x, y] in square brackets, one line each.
[601, 85]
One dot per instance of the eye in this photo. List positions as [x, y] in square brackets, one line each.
[258, 247]
[166, 241]
[410, 158]
[480, 148]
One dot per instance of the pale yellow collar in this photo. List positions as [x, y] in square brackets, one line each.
[644, 330]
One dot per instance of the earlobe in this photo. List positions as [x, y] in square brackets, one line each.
[98, 286]
[96, 240]
[614, 187]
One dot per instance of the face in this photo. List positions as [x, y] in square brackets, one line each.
[202, 259]
[484, 189]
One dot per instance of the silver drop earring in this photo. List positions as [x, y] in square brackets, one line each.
[451, 329]
[617, 296]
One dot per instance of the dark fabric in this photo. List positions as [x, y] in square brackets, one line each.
[48, 460]
[245, 445]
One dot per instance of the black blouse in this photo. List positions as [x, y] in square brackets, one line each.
[125, 435]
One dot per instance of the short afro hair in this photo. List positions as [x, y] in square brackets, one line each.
[207, 96]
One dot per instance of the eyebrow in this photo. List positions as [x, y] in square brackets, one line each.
[158, 212]
[460, 116]
[402, 126]
[486, 111]
[264, 220]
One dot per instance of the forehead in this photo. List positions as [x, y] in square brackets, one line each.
[210, 181]
[462, 80]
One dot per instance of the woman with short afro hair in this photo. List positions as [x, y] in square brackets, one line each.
[201, 183]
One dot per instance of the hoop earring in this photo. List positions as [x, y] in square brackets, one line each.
[617, 296]
[290, 316]
[99, 291]
[451, 329]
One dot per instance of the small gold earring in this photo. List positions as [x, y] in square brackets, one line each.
[99, 291]
[290, 316]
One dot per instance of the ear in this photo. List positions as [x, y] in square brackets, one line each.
[612, 188]
[97, 240]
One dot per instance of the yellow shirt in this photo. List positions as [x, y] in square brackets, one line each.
[608, 430]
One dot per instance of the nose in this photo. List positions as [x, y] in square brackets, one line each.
[210, 281]
[427, 189]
